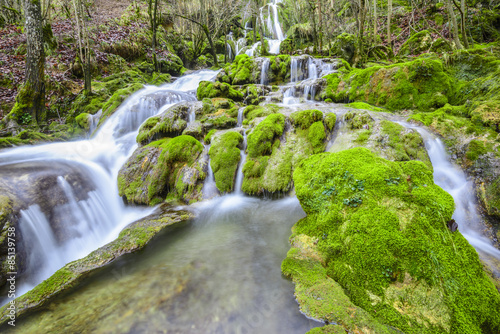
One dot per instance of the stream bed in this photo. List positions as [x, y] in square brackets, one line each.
[219, 273]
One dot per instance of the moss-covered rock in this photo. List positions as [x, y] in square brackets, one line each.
[273, 152]
[375, 236]
[247, 70]
[417, 44]
[83, 120]
[208, 89]
[133, 238]
[421, 84]
[253, 111]
[172, 122]
[224, 159]
[162, 168]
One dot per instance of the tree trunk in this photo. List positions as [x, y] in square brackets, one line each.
[320, 18]
[463, 13]
[389, 14]
[454, 25]
[375, 28]
[30, 101]
[83, 45]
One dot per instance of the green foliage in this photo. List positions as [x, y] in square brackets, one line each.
[475, 149]
[305, 118]
[217, 89]
[261, 140]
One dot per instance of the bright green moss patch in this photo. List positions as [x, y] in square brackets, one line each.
[208, 137]
[364, 106]
[317, 137]
[380, 230]
[330, 120]
[475, 149]
[407, 144]
[208, 89]
[251, 112]
[170, 123]
[263, 137]
[167, 166]
[303, 119]
[224, 159]
[422, 84]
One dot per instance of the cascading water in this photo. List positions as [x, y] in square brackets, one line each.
[239, 174]
[209, 188]
[97, 220]
[453, 180]
[263, 73]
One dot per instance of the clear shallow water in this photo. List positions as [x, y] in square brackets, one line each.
[219, 273]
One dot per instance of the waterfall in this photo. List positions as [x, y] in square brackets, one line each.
[453, 180]
[312, 69]
[265, 69]
[240, 116]
[92, 222]
[239, 173]
[209, 188]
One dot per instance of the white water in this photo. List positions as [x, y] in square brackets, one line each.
[209, 188]
[239, 173]
[263, 73]
[98, 219]
[240, 116]
[454, 181]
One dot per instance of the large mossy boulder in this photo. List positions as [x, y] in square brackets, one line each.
[422, 84]
[224, 158]
[219, 113]
[418, 43]
[274, 150]
[165, 168]
[375, 241]
[209, 89]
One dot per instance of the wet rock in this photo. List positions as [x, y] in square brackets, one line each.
[170, 166]
[133, 238]
[25, 184]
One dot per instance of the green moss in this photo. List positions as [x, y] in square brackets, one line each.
[224, 158]
[407, 145]
[475, 149]
[358, 119]
[364, 106]
[208, 137]
[317, 137]
[330, 120]
[422, 84]
[263, 137]
[378, 229]
[156, 170]
[170, 123]
[305, 118]
[416, 44]
[208, 89]
[251, 112]
[83, 121]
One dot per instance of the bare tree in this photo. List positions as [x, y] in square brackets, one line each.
[30, 100]
[454, 24]
[83, 43]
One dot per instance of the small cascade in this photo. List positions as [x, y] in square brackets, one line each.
[312, 69]
[309, 90]
[38, 234]
[453, 180]
[263, 73]
[209, 188]
[250, 52]
[94, 121]
[240, 116]
[191, 115]
[239, 173]
[289, 95]
[294, 70]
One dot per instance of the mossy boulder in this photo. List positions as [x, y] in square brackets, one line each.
[219, 113]
[253, 111]
[83, 120]
[273, 153]
[172, 122]
[417, 44]
[224, 159]
[131, 239]
[248, 70]
[375, 239]
[208, 89]
[422, 84]
[167, 167]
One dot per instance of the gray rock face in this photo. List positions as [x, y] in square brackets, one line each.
[37, 182]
